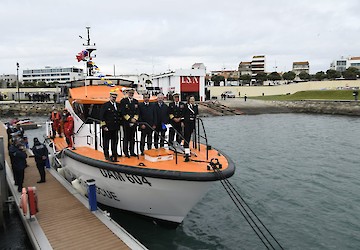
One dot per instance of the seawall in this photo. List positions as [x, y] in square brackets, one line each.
[351, 108]
[11, 109]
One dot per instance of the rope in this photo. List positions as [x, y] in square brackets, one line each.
[243, 207]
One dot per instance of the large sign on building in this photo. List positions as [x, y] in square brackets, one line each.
[189, 83]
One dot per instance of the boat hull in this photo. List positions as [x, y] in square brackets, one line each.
[163, 199]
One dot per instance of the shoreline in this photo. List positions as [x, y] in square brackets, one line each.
[257, 107]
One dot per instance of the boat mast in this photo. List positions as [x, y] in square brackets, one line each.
[90, 48]
[88, 63]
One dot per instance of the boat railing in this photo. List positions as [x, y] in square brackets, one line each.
[94, 122]
[198, 136]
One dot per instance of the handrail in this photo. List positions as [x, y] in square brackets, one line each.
[85, 122]
[204, 137]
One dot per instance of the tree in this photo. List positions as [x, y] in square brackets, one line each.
[304, 76]
[41, 84]
[261, 77]
[148, 81]
[332, 74]
[245, 78]
[217, 79]
[289, 76]
[274, 76]
[351, 73]
[29, 84]
[320, 76]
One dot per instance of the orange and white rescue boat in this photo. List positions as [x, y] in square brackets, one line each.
[163, 183]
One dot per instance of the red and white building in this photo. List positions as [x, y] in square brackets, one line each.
[183, 81]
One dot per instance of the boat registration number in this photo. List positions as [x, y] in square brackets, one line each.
[132, 178]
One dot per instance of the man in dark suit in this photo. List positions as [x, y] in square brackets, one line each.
[110, 123]
[130, 112]
[190, 113]
[176, 109]
[162, 114]
[147, 115]
[17, 151]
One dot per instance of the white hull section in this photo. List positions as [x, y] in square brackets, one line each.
[163, 199]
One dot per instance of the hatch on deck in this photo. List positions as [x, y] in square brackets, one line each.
[161, 154]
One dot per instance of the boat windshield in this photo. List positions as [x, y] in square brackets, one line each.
[86, 111]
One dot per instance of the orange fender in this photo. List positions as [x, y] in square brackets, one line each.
[24, 201]
[33, 206]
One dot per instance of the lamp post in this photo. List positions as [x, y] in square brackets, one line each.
[17, 81]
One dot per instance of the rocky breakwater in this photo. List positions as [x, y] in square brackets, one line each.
[27, 109]
[351, 108]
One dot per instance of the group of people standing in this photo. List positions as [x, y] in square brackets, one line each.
[63, 123]
[147, 117]
[18, 155]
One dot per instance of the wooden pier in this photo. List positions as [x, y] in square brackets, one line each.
[64, 220]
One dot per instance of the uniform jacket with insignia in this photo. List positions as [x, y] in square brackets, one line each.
[176, 111]
[109, 116]
[129, 110]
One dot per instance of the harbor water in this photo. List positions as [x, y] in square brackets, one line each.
[299, 173]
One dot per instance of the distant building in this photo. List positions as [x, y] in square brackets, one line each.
[299, 67]
[226, 73]
[339, 65]
[344, 63]
[257, 65]
[183, 81]
[198, 66]
[244, 68]
[50, 74]
[353, 62]
[140, 81]
[7, 78]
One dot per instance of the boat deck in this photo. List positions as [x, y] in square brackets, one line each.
[197, 164]
[65, 221]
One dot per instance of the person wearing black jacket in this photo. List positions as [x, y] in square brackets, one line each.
[162, 114]
[130, 113]
[190, 113]
[110, 117]
[176, 110]
[41, 155]
[19, 162]
[147, 115]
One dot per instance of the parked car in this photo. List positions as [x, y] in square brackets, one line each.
[229, 94]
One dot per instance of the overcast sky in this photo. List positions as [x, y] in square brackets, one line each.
[152, 36]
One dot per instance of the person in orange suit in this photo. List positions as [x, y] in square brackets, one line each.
[55, 117]
[68, 121]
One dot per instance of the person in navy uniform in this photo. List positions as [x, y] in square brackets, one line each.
[162, 114]
[41, 155]
[176, 110]
[110, 117]
[19, 161]
[147, 115]
[130, 112]
[190, 113]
